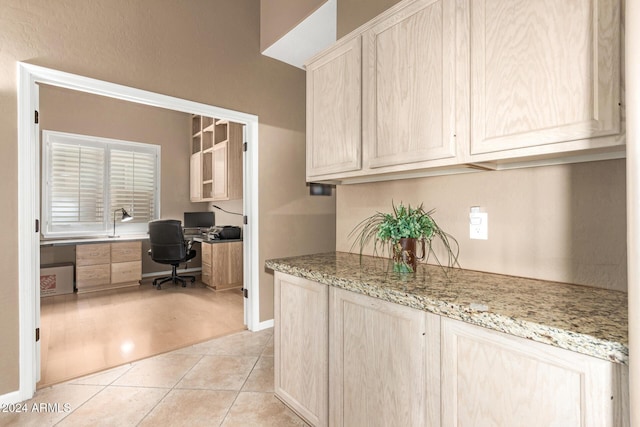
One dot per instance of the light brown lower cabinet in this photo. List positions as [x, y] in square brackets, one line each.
[301, 346]
[222, 265]
[492, 378]
[108, 265]
[384, 364]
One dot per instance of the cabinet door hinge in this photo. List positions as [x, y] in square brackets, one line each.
[244, 146]
[37, 117]
[245, 292]
[37, 334]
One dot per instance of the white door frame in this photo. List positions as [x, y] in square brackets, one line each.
[29, 204]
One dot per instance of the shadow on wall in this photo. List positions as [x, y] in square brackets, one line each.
[598, 232]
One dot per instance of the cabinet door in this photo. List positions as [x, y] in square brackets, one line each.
[491, 378]
[543, 72]
[235, 153]
[219, 267]
[126, 272]
[222, 265]
[301, 346]
[383, 363]
[90, 276]
[409, 87]
[195, 177]
[334, 111]
[93, 254]
[126, 251]
[220, 172]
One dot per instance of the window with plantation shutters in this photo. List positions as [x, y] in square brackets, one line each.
[86, 179]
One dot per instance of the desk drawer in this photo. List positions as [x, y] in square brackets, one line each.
[126, 251]
[93, 254]
[92, 275]
[123, 272]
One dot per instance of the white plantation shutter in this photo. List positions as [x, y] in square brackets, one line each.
[86, 178]
[76, 187]
[132, 183]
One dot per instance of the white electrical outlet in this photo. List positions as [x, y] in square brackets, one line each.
[478, 224]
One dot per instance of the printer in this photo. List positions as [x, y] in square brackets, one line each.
[225, 232]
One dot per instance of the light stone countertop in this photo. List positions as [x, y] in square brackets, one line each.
[583, 319]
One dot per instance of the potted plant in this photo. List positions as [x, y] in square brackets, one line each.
[400, 232]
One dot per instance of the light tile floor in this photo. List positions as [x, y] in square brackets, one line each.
[226, 382]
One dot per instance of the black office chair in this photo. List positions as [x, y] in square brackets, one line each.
[169, 247]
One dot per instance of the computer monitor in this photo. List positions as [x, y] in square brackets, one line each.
[199, 220]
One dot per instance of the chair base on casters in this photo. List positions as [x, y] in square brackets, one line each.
[175, 278]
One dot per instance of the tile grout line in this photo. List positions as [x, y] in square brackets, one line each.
[243, 384]
[82, 404]
[104, 387]
[172, 387]
[168, 390]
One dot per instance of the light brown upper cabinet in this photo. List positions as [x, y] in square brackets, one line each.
[216, 160]
[544, 75]
[409, 79]
[450, 84]
[334, 111]
[401, 67]
[195, 177]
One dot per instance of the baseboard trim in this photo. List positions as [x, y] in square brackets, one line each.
[264, 325]
[9, 398]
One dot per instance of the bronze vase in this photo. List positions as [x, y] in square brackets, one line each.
[405, 257]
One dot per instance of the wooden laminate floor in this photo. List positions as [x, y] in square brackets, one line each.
[88, 333]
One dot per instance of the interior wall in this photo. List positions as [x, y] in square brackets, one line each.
[354, 13]
[561, 223]
[226, 218]
[202, 50]
[278, 17]
[305, 224]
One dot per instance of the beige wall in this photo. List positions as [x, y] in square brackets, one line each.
[353, 13]
[278, 17]
[301, 224]
[560, 223]
[202, 50]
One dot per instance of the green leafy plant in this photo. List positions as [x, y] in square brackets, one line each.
[386, 230]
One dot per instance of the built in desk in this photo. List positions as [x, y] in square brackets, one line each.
[105, 263]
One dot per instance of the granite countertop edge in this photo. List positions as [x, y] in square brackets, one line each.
[610, 350]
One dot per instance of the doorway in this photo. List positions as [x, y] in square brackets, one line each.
[29, 76]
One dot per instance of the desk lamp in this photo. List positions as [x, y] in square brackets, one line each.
[125, 217]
